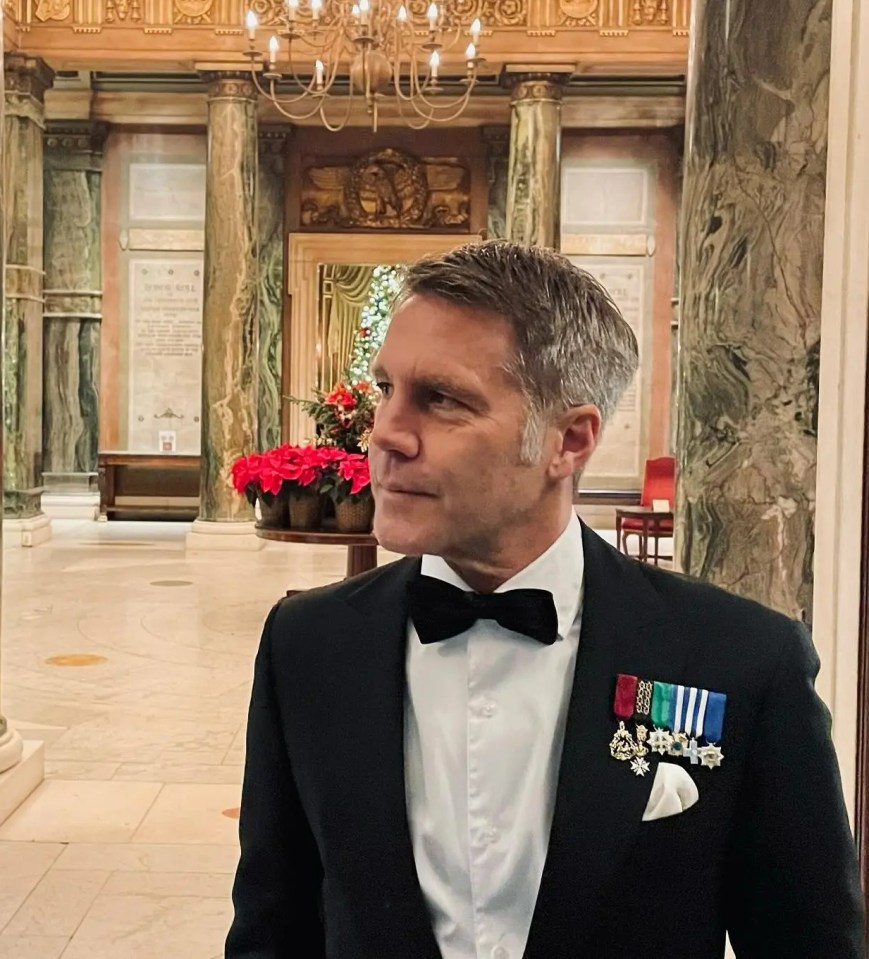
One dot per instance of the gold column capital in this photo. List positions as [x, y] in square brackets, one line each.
[536, 85]
[229, 85]
[27, 76]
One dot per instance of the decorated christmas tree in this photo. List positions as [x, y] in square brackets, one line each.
[374, 320]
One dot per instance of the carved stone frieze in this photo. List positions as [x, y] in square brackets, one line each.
[192, 11]
[387, 190]
[123, 10]
[497, 13]
[53, 10]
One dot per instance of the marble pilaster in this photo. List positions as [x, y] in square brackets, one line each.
[26, 82]
[534, 177]
[752, 254]
[73, 304]
[22, 765]
[270, 206]
[229, 320]
[497, 143]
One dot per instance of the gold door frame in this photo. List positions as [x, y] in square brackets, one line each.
[306, 252]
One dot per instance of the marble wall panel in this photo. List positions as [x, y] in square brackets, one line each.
[73, 300]
[752, 244]
[270, 207]
[229, 327]
[497, 142]
[22, 353]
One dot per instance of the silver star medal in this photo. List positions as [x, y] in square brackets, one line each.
[711, 756]
[640, 766]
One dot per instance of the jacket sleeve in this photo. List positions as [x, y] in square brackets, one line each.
[793, 887]
[277, 890]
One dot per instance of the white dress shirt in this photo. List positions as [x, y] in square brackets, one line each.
[484, 730]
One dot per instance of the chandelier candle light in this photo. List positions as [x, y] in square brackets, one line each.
[385, 52]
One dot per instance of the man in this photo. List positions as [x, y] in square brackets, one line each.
[525, 743]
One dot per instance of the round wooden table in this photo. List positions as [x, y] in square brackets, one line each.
[361, 547]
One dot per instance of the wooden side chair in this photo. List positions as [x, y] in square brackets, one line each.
[659, 483]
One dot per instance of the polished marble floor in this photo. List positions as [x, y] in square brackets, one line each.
[127, 850]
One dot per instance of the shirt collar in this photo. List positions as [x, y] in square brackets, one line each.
[558, 571]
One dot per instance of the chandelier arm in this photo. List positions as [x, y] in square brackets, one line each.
[343, 123]
[296, 117]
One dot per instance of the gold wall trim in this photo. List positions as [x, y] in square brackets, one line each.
[170, 35]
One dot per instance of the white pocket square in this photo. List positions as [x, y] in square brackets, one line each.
[673, 791]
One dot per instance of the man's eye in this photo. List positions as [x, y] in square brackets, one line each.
[442, 400]
[384, 388]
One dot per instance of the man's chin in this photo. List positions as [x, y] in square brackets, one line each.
[407, 539]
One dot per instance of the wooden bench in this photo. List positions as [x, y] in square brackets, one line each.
[148, 484]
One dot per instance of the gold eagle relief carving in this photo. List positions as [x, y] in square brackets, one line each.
[387, 190]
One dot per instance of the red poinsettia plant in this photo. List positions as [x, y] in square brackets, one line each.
[348, 477]
[285, 468]
[344, 416]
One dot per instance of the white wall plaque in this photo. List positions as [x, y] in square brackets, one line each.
[165, 352]
[167, 192]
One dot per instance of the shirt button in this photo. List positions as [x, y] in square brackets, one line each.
[492, 835]
[499, 952]
[489, 709]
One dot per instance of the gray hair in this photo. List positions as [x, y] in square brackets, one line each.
[572, 344]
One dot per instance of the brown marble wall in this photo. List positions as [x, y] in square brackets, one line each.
[229, 323]
[497, 141]
[73, 303]
[534, 179]
[752, 251]
[26, 82]
[270, 206]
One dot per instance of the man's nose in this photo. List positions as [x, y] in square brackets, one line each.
[394, 430]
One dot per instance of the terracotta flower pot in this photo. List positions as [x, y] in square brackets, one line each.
[275, 515]
[355, 517]
[306, 509]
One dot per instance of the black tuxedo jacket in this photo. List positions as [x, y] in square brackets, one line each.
[327, 867]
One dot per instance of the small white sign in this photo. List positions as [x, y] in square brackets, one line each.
[661, 505]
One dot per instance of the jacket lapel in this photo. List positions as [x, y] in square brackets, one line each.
[375, 709]
[599, 802]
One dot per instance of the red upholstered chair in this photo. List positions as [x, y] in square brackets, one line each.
[659, 482]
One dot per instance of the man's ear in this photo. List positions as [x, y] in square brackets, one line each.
[578, 429]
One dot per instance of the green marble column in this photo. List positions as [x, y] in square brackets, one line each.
[752, 257]
[27, 79]
[271, 203]
[497, 143]
[73, 304]
[534, 178]
[229, 320]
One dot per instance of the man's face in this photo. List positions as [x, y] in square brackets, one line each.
[444, 452]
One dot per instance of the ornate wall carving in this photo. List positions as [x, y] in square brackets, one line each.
[387, 190]
[224, 18]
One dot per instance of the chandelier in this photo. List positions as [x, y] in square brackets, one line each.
[385, 50]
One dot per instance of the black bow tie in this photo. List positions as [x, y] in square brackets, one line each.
[439, 610]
